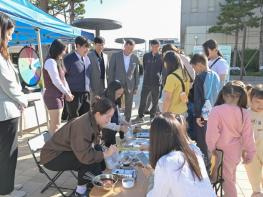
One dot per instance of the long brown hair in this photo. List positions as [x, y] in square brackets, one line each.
[5, 24]
[174, 62]
[167, 134]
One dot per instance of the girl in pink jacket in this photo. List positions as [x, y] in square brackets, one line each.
[229, 129]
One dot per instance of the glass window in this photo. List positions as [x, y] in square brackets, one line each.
[194, 5]
[211, 5]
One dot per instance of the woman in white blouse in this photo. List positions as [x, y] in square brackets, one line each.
[179, 169]
[56, 86]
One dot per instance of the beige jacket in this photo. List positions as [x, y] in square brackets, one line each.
[80, 135]
[11, 95]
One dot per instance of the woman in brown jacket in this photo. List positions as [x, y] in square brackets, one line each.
[75, 146]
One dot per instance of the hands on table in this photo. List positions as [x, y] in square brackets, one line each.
[110, 151]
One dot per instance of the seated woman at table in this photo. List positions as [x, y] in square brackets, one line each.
[75, 146]
[114, 92]
[179, 169]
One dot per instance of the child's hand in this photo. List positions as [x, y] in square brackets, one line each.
[245, 158]
[200, 122]
[124, 128]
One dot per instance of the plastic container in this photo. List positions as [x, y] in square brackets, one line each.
[128, 183]
[112, 161]
[129, 134]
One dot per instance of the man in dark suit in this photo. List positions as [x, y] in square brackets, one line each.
[77, 75]
[152, 80]
[98, 69]
[124, 66]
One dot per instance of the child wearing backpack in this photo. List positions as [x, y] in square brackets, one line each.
[229, 129]
[206, 88]
[254, 169]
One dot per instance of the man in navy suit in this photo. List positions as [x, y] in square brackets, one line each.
[77, 75]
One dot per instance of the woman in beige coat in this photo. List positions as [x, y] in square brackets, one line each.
[12, 102]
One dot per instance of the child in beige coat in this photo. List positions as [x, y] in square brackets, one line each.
[254, 169]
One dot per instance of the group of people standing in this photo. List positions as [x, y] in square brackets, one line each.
[81, 76]
[92, 86]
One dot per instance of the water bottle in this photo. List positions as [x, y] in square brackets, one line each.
[129, 134]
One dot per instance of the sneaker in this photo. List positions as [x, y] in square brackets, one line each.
[138, 119]
[15, 193]
[76, 194]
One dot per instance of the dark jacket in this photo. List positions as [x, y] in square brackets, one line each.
[78, 136]
[153, 66]
[77, 73]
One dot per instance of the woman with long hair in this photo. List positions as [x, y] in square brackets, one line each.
[216, 61]
[56, 86]
[114, 92]
[12, 103]
[177, 85]
[179, 169]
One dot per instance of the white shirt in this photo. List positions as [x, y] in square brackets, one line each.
[220, 67]
[86, 61]
[127, 60]
[85, 58]
[51, 67]
[173, 180]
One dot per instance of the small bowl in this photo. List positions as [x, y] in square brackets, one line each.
[110, 181]
[128, 183]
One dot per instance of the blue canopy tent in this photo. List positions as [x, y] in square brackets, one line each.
[34, 26]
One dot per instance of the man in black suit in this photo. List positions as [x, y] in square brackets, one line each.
[77, 75]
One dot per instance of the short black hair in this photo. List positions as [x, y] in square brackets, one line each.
[129, 42]
[199, 58]
[82, 41]
[99, 40]
[154, 42]
[257, 91]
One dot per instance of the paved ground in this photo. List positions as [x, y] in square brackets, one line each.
[28, 174]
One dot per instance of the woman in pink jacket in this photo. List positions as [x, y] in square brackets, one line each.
[229, 129]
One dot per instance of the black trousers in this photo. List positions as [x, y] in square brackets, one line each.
[80, 105]
[8, 154]
[201, 143]
[155, 93]
[68, 161]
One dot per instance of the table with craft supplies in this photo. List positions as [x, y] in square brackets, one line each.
[131, 147]
[139, 189]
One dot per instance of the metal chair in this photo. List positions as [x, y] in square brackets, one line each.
[216, 175]
[35, 145]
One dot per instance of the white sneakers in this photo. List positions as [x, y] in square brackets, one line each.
[15, 193]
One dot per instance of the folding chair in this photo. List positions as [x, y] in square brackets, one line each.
[35, 145]
[216, 175]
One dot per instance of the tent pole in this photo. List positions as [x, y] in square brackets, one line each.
[39, 46]
[41, 63]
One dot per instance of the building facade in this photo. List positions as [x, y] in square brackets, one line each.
[197, 16]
